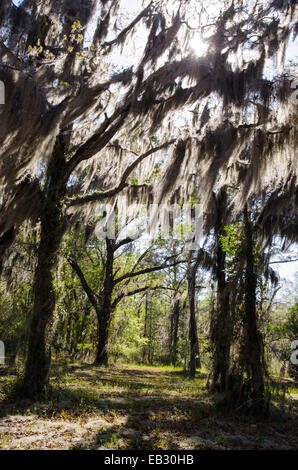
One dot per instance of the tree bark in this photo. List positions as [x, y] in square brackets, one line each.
[38, 361]
[145, 327]
[105, 312]
[6, 241]
[174, 329]
[255, 356]
[221, 325]
[194, 362]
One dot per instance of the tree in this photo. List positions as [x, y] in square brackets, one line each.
[16, 295]
[255, 348]
[37, 63]
[193, 333]
[221, 321]
[283, 329]
[48, 166]
[112, 288]
[246, 265]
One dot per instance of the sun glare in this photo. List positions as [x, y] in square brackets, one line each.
[198, 45]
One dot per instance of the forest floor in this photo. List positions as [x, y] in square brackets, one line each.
[136, 407]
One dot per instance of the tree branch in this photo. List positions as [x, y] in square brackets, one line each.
[85, 285]
[98, 140]
[96, 196]
[135, 291]
[146, 271]
[123, 33]
[125, 241]
[284, 261]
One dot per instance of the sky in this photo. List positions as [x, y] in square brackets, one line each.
[288, 273]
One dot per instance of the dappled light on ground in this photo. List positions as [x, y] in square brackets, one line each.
[133, 408]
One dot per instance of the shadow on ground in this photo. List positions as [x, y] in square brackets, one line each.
[132, 408]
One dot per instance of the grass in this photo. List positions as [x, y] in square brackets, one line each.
[135, 407]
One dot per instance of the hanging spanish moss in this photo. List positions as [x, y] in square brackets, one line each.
[171, 103]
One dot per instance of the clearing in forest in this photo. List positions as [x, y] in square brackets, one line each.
[136, 407]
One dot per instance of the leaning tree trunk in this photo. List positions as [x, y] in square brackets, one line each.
[254, 340]
[104, 313]
[38, 361]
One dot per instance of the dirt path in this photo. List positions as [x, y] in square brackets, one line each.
[134, 408]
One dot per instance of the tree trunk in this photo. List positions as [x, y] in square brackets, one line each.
[195, 361]
[101, 358]
[174, 329]
[150, 349]
[6, 241]
[102, 303]
[37, 367]
[221, 325]
[145, 328]
[105, 312]
[255, 357]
